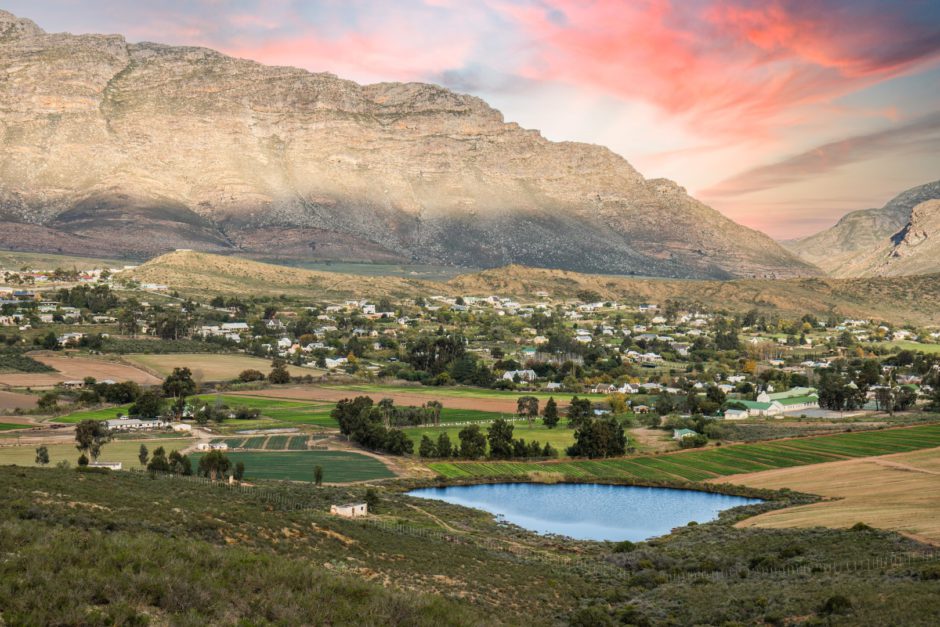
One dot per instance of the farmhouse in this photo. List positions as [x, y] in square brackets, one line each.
[680, 434]
[350, 510]
[134, 424]
[108, 465]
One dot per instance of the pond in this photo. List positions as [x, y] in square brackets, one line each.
[589, 511]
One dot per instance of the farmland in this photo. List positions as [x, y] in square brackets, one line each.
[12, 400]
[75, 367]
[492, 401]
[700, 465]
[209, 366]
[9, 426]
[560, 437]
[271, 443]
[895, 492]
[124, 451]
[338, 466]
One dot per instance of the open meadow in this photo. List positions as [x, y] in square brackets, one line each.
[124, 451]
[897, 492]
[210, 366]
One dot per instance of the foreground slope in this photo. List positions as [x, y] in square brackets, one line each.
[914, 299]
[137, 149]
[860, 234]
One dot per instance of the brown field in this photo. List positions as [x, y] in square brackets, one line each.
[211, 367]
[897, 492]
[499, 405]
[12, 400]
[75, 368]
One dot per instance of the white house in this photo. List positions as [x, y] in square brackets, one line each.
[524, 375]
[350, 510]
[108, 465]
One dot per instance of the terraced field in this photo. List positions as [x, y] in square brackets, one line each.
[702, 465]
[267, 443]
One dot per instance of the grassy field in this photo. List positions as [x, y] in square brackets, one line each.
[896, 492]
[271, 443]
[124, 451]
[560, 437]
[338, 466]
[9, 426]
[376, 391]
[295, 412]
[107, 413]
[914, 346]
[716, 462]
[209, 366]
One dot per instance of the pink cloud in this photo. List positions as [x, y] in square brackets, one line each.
[728, 67]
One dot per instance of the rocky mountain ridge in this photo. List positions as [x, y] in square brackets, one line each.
[109, 147]
[850, 247]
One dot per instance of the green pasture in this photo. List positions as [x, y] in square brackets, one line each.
[338, 466]
[560, 437]
[124, 451]
[699, 465]
[9, 426]
[442, 393]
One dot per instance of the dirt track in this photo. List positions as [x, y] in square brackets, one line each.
[75, 369]
[499, 405]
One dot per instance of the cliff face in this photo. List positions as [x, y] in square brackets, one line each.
[915, 249]
[136, 149]
[848, 248]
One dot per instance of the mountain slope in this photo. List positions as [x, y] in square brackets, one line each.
[837, 250]
[901, 300]
[137, 149]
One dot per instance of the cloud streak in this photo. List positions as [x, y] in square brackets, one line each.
[921, 136]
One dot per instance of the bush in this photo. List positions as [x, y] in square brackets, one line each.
[836, 604]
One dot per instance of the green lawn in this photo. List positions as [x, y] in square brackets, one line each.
[560, 437]
[124, 451]
[107, 413]
[8, 426]
[338, 466]
[913, 346]
[718, 462]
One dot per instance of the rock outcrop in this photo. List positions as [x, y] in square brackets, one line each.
[111, 148]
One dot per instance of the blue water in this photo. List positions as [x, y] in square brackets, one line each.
[589, 511]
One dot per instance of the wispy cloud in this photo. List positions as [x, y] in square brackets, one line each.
[920, 136]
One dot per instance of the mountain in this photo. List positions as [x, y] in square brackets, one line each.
[900, 300]
[859, 234]
[111, 148]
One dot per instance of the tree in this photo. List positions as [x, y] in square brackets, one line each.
[214, 464]
[550, 413]
[180, 464]
[158, 461]
[427, 448]
[179, 384]
[90, 436]
[48, 403]
[599, 438]
[148, 405]
[472, 442]
[42, 455]
[279, 373]
[499, 436]
[398, 443]
[240, 471]
[372, 499]
[82, 460]
[247, 376]
[317, 475]
[143, 454]
[579, 411]
[444, 447]
[527, 407]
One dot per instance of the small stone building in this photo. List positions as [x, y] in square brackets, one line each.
[350, 510]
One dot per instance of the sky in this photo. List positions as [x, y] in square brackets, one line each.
[781, 114]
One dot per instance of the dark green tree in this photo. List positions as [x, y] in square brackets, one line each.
[472, 442]
[279, 373]
[444, 447]
[214, 464]
[149, 405]
[550, 413]
[579, 411]
[143, 454]
[317, 475]
[178, 385]
[427, 448]
[42, 455]
[499, 436]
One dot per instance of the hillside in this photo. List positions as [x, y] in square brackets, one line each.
[914, 299]
[863, 233]
[132, 150]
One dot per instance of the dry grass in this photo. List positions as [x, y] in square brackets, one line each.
[896, 492]
[211, 367]
[75, 368]
[913, 299]
[12, 400]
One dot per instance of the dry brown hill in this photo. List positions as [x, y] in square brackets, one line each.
[913, 299]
